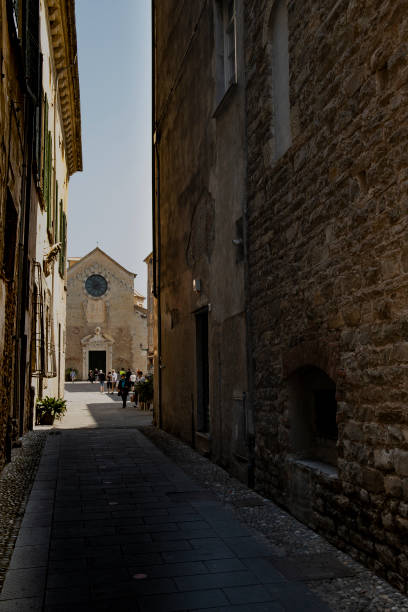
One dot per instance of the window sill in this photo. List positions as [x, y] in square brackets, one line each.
[203, 434]
[224, 100]
[317, 466]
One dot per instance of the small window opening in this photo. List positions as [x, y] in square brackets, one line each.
[279, 50]
[225, 43]
[313, 410]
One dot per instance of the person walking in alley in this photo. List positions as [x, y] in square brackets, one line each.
[101, 378]
[91, 376]
[72, 375]
[123, 389]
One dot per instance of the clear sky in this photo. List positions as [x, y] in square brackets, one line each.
[110, 201]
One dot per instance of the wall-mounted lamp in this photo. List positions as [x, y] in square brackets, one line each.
[197, 285]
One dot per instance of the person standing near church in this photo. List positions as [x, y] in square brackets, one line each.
[123, 389]
[109, 382]
[101, 378]
[114, 380]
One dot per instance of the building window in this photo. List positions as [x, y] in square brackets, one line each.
[313, 410]
[279, 53]
[32, 48]
[14, 13]
[225, 43]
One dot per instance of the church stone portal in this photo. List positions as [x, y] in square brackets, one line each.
[106, 320]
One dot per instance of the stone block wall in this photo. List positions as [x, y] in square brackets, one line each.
[328, 265]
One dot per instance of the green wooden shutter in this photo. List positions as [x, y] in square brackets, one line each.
[45, 145]
[38, 129]
[48, 185]
[61, 238]
[64, 242]
[55, 219]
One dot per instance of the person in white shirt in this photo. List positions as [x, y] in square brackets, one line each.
[114, 380]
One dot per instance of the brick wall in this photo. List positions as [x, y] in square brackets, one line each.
[328, 261]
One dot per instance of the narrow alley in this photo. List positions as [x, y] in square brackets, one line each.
[112, 523]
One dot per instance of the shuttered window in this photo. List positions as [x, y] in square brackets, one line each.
[55, 215]
[32, 47]
[61, 239]
[38, 130]
[44, 144]
[48, 182]
[64, 245]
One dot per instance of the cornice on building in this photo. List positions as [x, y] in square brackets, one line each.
[61, 15]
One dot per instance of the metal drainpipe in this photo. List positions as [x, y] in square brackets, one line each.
[156, 216]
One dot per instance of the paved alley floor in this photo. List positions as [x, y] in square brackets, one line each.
[113, 524]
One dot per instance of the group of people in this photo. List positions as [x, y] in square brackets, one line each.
[124, 381]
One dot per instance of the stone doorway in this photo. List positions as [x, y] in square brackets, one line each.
[97, 359]
[96, 350]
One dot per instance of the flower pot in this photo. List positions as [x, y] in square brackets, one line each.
[46, 419]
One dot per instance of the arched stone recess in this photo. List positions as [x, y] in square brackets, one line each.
[313, 385]
[324, 356]
[312, 409]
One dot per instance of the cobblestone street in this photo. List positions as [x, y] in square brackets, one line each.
[113, 523]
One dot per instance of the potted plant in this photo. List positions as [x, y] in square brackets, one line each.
[48, 409]
[145, 392]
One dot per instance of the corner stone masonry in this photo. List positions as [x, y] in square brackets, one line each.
[328, 265]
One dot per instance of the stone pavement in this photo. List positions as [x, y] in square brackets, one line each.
[113, 524]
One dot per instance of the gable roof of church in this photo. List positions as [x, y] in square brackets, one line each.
[97, 249]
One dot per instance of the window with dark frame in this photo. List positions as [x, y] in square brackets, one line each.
[225, 43]
[279, 49]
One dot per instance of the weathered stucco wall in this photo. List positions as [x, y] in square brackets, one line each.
[11, 172]
[200, 166]
[328, 266]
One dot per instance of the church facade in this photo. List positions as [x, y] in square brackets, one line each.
[106, 319]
